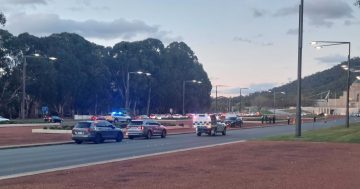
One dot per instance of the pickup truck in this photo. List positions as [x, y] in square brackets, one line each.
[208, 124]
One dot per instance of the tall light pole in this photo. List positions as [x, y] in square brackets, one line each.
[183, 95]
[240, 99]
[128, 86]
[149, 98]
[23, 97]
[216, 97]
[274, 105]
[300, 44]
[321, 44]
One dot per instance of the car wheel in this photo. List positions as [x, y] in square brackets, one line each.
[210, 132]
[119, 137]
[98, 139]
[198, 134]
[148, 135]
[163, 134]
[78, 141]
[131, 137]
[224, 132]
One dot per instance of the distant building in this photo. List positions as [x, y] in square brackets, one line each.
[337, 106]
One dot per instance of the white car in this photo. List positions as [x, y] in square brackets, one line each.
[3, 119]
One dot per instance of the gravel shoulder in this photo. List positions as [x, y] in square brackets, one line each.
[241, 165]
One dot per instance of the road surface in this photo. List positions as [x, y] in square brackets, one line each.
[25, 160]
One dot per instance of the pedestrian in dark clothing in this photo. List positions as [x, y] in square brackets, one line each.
[273, 119]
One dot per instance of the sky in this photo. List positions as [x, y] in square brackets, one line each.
[240, 43]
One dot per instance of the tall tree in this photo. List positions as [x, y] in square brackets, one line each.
[2, 19]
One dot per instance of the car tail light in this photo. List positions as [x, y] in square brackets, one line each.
[142, 127]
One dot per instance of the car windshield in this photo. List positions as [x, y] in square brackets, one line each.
[83, 125]
[136, 123]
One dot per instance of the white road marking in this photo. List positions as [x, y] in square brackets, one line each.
[113, 160]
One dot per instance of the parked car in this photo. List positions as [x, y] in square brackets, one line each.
[233, 121]
[141, 117]
[145, 128]
[96, 131]
[53, 119]
[2, 119]
[98, 117]
[118, 117]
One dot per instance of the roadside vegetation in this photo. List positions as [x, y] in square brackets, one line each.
[335, 134]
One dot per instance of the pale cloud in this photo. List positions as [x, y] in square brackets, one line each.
[23, 2]
[46, 24]
[87, 4]
[350, 22]
[321, 12]
[250, 41]
[292, 31]
[262, 86]
[331, 59]
[259, 13]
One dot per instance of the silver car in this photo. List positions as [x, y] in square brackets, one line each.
[96, 131]
[145, 128]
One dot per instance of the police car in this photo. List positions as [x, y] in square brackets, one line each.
[206, 123]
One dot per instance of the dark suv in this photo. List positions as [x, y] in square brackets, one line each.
[233, 121]
[96, 131]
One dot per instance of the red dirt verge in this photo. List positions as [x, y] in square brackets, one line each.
[241, 165]
[23, 135]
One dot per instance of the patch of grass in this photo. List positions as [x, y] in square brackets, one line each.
[335, 134]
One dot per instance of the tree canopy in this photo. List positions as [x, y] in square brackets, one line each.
[91, 79]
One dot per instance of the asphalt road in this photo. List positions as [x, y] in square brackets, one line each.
[23, 160]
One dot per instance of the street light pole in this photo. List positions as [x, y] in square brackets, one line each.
[149, 98]
[348, 90]
[128, 86]
[23, 97]
[183, 100]
[240, 99]
[300, 44]
[274, 102]
[127, 91]
[216, 98]
[22, 109]
[321, 44]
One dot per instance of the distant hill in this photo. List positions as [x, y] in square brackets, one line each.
[333, 79]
